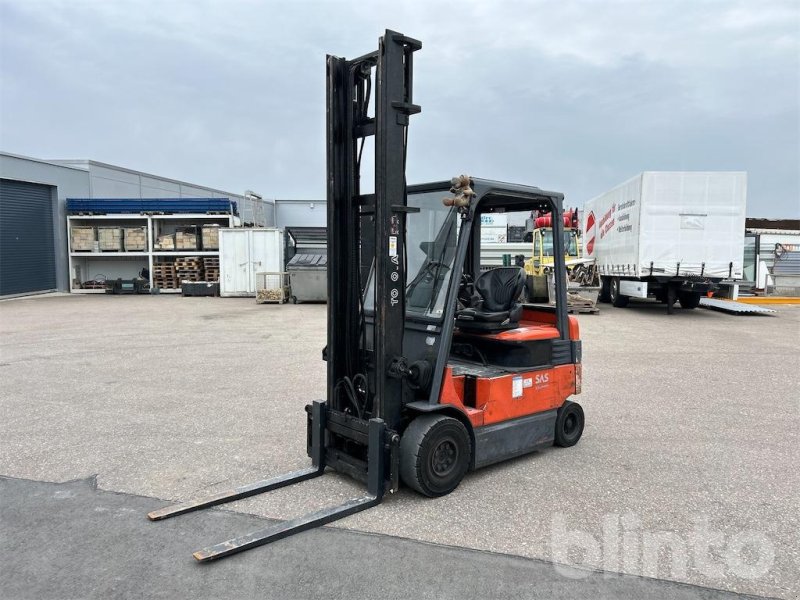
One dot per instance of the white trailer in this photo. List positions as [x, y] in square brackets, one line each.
[671, 235]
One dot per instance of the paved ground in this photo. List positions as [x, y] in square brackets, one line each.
[687, 469]
[57, 530]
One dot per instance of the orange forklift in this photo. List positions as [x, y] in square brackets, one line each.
[434, 367]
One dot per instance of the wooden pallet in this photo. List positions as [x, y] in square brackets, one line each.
[587, 310]
[211, 265]
[164, 269]
[164, 276]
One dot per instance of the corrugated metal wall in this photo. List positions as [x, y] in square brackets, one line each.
[27, 250]
[300, 213]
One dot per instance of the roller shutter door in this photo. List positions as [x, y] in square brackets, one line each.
[27, 250]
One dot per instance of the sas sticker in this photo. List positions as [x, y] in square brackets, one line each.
[392, 245]
[542, 380]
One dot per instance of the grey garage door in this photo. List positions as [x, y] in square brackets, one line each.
[27, 252]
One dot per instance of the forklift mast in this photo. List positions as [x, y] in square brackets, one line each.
[366, 230]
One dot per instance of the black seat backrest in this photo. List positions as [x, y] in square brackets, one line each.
[500, 287]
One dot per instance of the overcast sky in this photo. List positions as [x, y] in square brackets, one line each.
[570, 96]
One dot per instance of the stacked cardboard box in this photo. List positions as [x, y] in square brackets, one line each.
[82, 238]
[165, 242]
[185, 241]
[135, 239]
[109, 239]
[210, 236]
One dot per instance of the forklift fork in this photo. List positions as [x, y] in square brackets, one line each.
[375, 488]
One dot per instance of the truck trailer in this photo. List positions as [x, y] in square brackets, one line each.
[670, 235]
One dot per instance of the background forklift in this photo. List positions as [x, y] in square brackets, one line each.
[540, 265]
[434, 368]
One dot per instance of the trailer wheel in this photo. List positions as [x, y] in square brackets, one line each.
[434, 454]
[616, 298]
[689, 300]
[605, 290]
[569, 424]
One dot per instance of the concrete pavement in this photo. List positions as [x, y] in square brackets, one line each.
[692, 429]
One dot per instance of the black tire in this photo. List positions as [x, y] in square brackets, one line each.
[435, 453]
[616, 298]
[569, 424]
[605, 290]
[689, 300]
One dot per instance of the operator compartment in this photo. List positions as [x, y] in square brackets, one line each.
[527, 346]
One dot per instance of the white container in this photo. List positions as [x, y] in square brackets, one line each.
[669, 224]
[243, 252]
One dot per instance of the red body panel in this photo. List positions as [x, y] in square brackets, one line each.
[531, 316]
[453, 393]
[543, 389]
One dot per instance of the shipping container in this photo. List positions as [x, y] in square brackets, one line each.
[245, 252]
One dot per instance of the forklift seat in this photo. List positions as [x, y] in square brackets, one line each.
[495, 304]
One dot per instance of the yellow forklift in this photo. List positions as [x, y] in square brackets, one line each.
[539, 268]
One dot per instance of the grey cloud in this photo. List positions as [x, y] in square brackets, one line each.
[573, 96]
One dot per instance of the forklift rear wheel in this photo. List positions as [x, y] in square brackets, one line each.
[689, 299]
[569, 424]
[616, 298]
[605, 290]
[434, 454]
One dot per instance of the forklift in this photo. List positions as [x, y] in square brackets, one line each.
[434, 367]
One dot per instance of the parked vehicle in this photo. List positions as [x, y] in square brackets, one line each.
[669, 235]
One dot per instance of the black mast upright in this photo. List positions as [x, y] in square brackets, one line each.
[393, 107]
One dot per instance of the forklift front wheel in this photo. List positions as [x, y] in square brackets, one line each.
[434, 454]
[569, 424]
